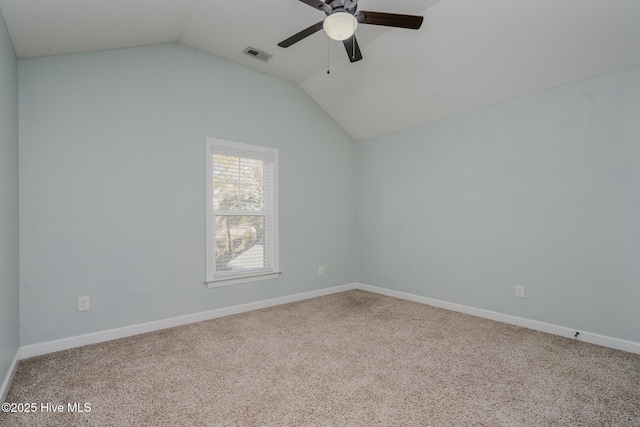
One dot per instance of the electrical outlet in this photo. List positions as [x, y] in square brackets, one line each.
[321, 271]
[83, 303]
[519, 291]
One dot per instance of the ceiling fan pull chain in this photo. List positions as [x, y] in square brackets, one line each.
[328, 44]
[353, 41]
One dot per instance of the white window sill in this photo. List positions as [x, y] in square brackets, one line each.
[216, 283]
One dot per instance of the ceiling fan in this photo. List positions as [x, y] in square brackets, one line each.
[342, 20]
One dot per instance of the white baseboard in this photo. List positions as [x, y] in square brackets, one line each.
[111, 334]
[605, 341]
[97, 337]
[4, 389]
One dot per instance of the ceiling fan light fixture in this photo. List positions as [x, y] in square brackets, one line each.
[340, 25]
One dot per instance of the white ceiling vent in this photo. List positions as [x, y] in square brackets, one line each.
[258, 54]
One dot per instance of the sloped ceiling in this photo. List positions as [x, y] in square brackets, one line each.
[472, 54]
[467, 55]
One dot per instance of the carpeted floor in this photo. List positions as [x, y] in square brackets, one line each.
[353, 358]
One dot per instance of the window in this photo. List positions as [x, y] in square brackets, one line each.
[242, 219]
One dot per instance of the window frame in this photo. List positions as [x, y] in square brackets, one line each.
[259, 152]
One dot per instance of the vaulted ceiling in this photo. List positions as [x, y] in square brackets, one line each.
[467, 55]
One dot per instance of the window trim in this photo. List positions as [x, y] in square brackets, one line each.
[253, 151]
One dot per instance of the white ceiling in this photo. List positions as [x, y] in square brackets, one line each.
[468, 53]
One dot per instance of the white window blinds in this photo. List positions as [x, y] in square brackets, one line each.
[243, 220]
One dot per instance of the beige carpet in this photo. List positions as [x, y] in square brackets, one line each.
[353, 358]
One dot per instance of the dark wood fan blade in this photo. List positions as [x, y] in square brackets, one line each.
[317, 4]
[302, 34]
[411, 22]
[350, 44]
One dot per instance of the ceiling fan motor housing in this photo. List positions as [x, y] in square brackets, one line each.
[343, 6]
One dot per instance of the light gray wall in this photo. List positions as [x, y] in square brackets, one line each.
[9, 295]
[543, 191]
[113, 184]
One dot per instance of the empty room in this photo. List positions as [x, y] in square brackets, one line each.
[308, 212]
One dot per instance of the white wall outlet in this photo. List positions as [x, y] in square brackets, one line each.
[321, 271]
[519, 291]
[83, 303]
